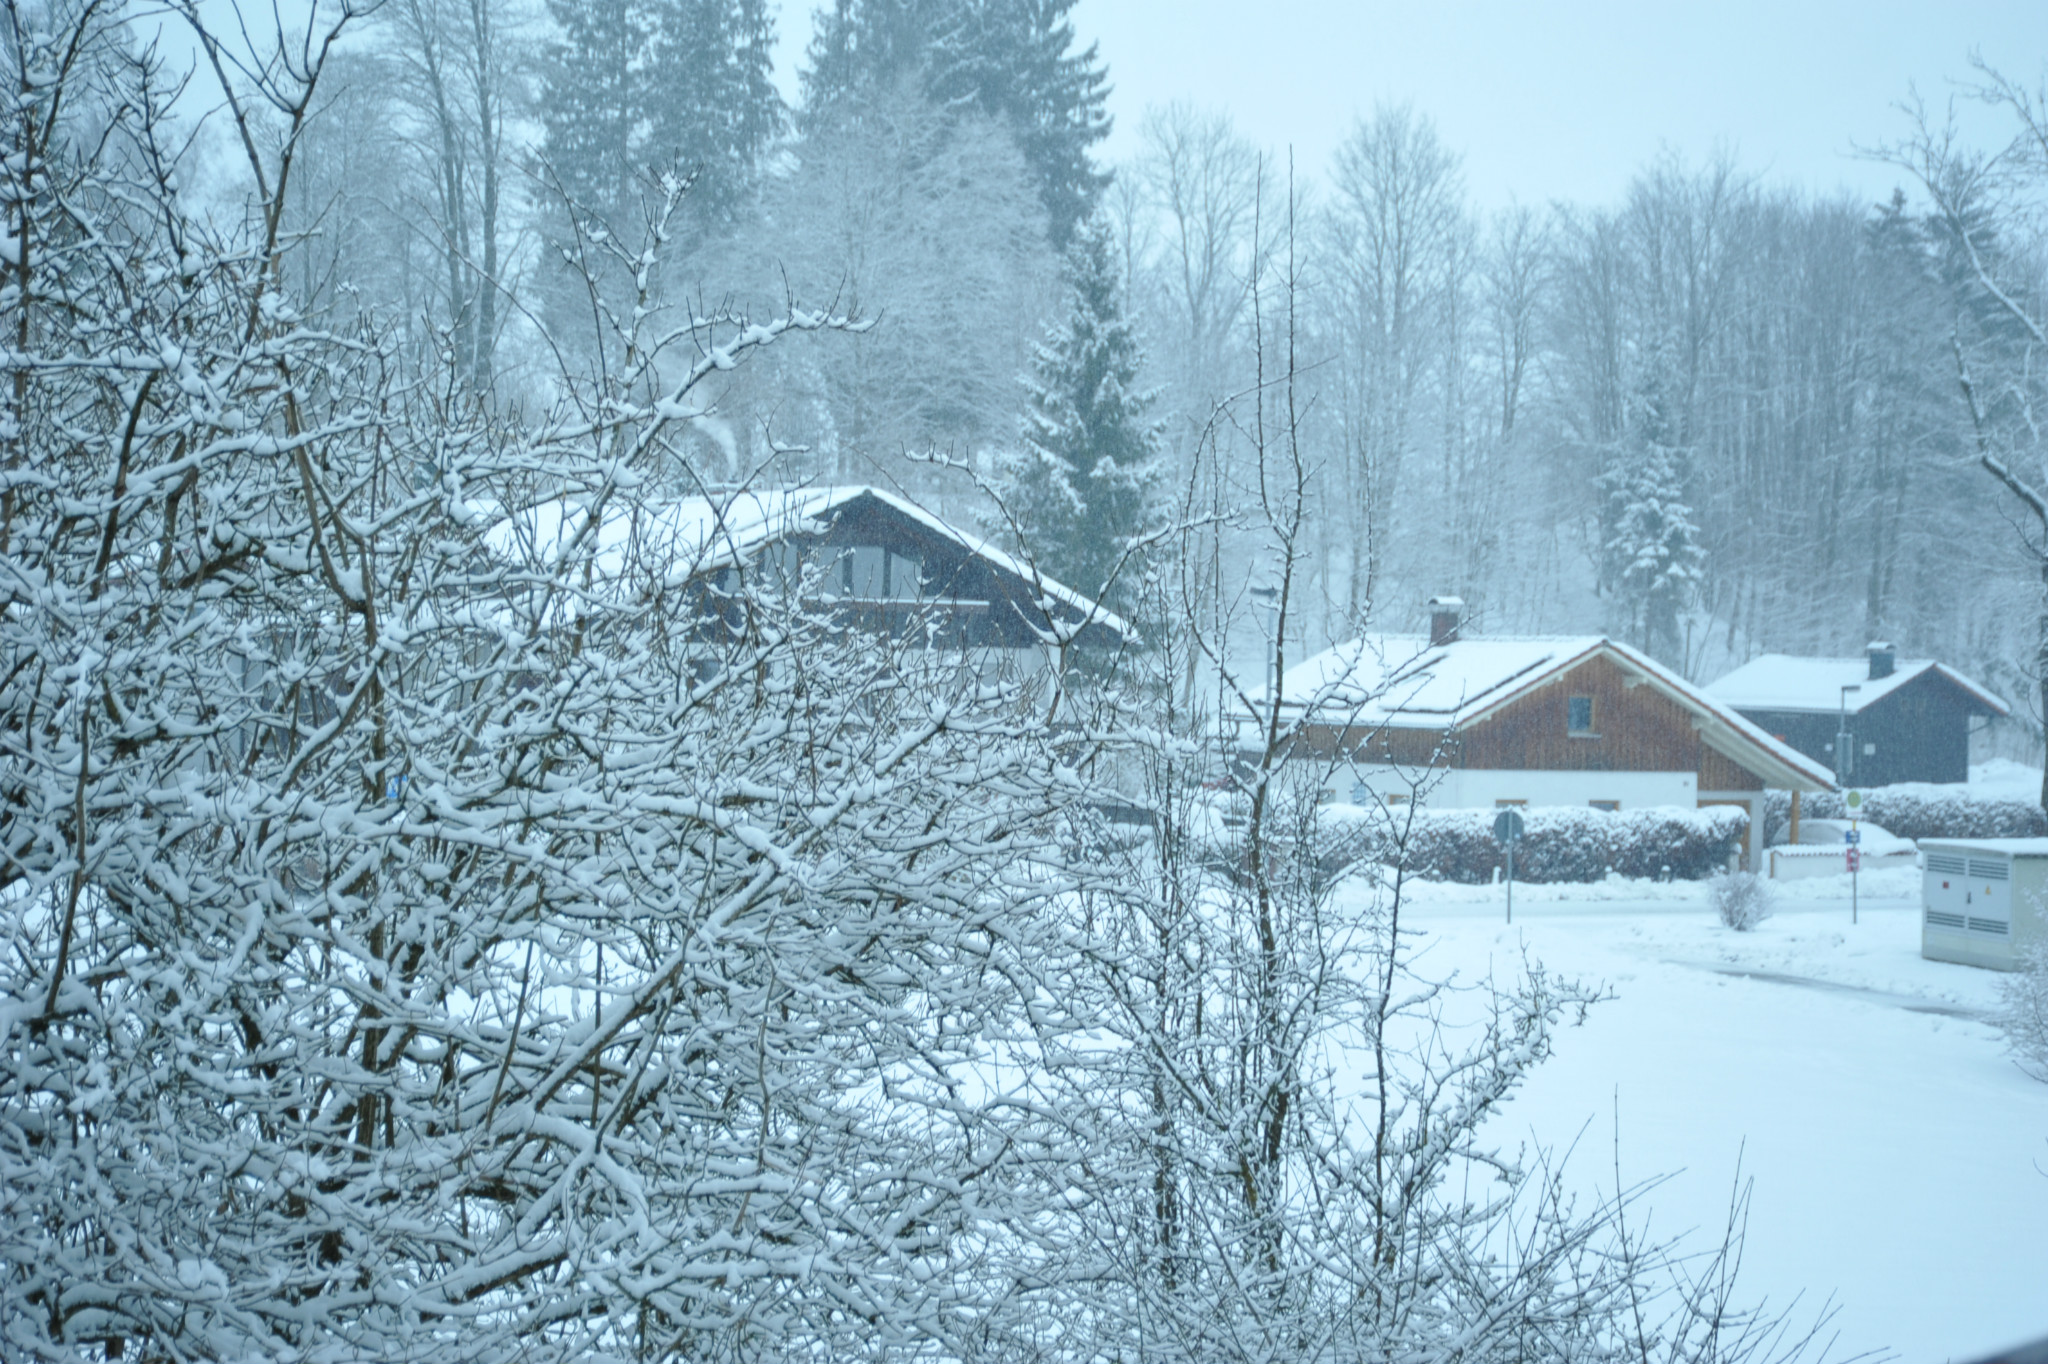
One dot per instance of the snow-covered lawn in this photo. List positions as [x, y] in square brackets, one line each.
[1900, 1159]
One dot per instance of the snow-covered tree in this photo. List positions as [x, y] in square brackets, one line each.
[927, 222]
[1013, 60]
[639, 83]
[711, 106]
[591, 103]
[1078, 486]
[427, 934]
[1268, 1209]
[1651, 557]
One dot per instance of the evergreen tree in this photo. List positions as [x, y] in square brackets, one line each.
[590, 106]
[863, 47]
[636, 82]
[1651, 555]
[707, 95]
[1011, 59]
[1079, 484]
[1014, 58]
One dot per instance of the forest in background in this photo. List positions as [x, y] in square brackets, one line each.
[1716, 419]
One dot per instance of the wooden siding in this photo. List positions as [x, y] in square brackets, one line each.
[1921, 730]
[1635, 728]
[1719, 772]
[962, 601]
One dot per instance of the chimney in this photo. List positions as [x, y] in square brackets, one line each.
[1881, 659]
[1446, 614]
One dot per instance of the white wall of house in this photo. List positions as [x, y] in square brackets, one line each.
[1484, 788]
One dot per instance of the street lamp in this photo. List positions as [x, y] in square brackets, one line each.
[1845, 742]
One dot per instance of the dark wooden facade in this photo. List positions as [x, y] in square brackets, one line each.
[961, 599]
[1919, 731]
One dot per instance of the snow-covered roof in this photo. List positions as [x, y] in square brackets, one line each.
[2011, 847]
[1405, 682]
[1786, 682]
[697, 535]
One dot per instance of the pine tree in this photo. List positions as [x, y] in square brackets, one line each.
[708, 97]
[1651, 555]
[682, 82]
[1010, 59]
[863, 47]
[1078, 486]
[590, 107]
[1014, 58]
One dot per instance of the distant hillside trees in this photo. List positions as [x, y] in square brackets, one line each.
[1011, 60]
[638, 83]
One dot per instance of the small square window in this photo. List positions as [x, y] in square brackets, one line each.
[1579, 714]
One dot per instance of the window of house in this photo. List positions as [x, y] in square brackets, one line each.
[1579, 714]
[1608, 805]
[1504, 804]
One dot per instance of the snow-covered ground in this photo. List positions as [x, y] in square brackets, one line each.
[1997, 779]
[1900, 1159]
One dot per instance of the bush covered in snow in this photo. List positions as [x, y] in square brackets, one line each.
[1741, 899]
[2023, 1013]
[1561, 843]
[1917, 810]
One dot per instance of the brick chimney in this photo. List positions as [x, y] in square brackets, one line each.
[1446, 617]
[1881, 659]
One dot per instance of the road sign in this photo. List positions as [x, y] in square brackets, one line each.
[1854, 800]
[1852, 836]
[1507, 827]
[1855, 859]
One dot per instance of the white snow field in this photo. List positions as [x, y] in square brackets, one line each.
[1899, 1159]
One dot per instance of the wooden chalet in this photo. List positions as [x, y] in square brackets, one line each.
[1485, 722]
[1905, 719]
[876, 559]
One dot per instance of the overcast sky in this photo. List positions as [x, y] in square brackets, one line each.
[1564, 100]
[1557, 99]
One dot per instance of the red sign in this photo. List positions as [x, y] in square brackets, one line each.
[1855, 858]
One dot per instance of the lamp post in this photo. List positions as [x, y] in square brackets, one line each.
[1845, 763]
[1845, 742]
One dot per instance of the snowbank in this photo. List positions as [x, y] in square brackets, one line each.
[2002, 799]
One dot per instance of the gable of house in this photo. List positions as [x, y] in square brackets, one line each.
[875, 557]
[1911, 724]
[1633, 728]
[1636, 717]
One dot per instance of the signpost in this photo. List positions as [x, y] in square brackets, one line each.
[1853, 836]
[1507, 827]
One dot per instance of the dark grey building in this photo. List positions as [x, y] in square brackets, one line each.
[1907, 719]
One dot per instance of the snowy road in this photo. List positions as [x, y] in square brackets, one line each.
[1900, 1159]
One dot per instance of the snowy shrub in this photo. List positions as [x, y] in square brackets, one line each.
[1558, 843]
[1741, 899]
[427, 937]
[2023, 1012]
[1916, 811]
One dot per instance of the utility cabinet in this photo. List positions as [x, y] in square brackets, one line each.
[1982, 900]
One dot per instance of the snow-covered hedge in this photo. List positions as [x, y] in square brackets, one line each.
[1916, 811]
[1561, 843]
